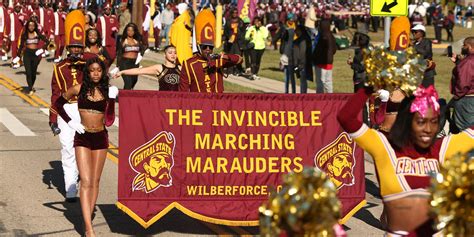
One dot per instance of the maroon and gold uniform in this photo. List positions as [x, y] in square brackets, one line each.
[58, 30]
[201, 75]
[108, 28]
[4, 20]
[66, 74]
[13, 29]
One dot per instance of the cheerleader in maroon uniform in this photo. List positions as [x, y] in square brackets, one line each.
[96, 101]
[29, 48]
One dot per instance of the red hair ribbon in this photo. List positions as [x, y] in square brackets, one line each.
[424, 99]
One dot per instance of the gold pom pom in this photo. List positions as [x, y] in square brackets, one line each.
[394, 69]
[306, 205]
[452, 199]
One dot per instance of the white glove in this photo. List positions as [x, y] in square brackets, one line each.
[384, 95]
[114, 72]
[39, 52]
[113, 92]
[114, 29]
[16, 60]
[76, 126]
[139, 58]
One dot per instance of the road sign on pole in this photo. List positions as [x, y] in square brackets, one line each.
[389, 7]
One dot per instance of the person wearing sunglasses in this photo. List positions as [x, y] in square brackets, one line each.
[203, 72]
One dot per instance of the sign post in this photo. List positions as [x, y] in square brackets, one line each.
[388, 8]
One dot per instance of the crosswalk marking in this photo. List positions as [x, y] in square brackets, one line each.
[14, 125]
[46, 111]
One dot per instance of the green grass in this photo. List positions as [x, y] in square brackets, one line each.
[342, 73]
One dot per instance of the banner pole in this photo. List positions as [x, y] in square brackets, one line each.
[387, 22]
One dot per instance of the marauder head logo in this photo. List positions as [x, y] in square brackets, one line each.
[153, 162]
[337, 160]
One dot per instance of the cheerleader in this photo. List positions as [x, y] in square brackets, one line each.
[29, 42]
[130, 53]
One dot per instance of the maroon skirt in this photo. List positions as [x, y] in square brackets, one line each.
[93, 141]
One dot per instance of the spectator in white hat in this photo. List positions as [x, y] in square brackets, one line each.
[423, 47]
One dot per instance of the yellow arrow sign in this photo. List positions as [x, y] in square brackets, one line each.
[389, 7]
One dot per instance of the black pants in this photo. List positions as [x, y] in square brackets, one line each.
[449, 31]
[255, 58]
[31, 62]
[247, 57]
[438, 33]
[128, 81]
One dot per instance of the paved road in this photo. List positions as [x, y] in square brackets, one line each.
[31, 185]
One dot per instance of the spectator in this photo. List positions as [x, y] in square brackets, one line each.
[302, 54]
[462, 86]
[167, 18]
[131, 50]
[323, 56]
[438, 22]
[257, 35]
[310, 21]
[246, 50]
[449, 25]
[423, 47]
[234, 35]
[361, 41]
[287, 36]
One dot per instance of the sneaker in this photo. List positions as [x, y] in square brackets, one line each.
[32, 91]
[57, 60]
[46, 53]
[4, 58]
[16, 65]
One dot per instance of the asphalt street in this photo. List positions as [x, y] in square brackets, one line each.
[31, 182]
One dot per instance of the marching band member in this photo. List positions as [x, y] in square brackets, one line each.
[203, 71]
[405, 157]
[107, 25]
[93, 45]
[167, 73]
[3, 22]
[96, 102]
[13, 31]
[67, 74]
[146, 22]
[59, 38]
[130, 53]
[30, 43]
[156, 18]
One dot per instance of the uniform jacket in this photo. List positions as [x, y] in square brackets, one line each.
[58, 20]
[108, 27]
[66, 74]
[201, 75]
[14, 26]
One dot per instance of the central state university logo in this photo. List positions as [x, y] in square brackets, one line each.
[152, 162]
[337, 160]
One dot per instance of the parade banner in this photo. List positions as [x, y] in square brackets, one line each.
[217, 157]
[247, 8]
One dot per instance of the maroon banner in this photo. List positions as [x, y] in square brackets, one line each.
[246, 8]
[216, 157]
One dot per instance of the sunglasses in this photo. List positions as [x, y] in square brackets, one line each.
[203, 47]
